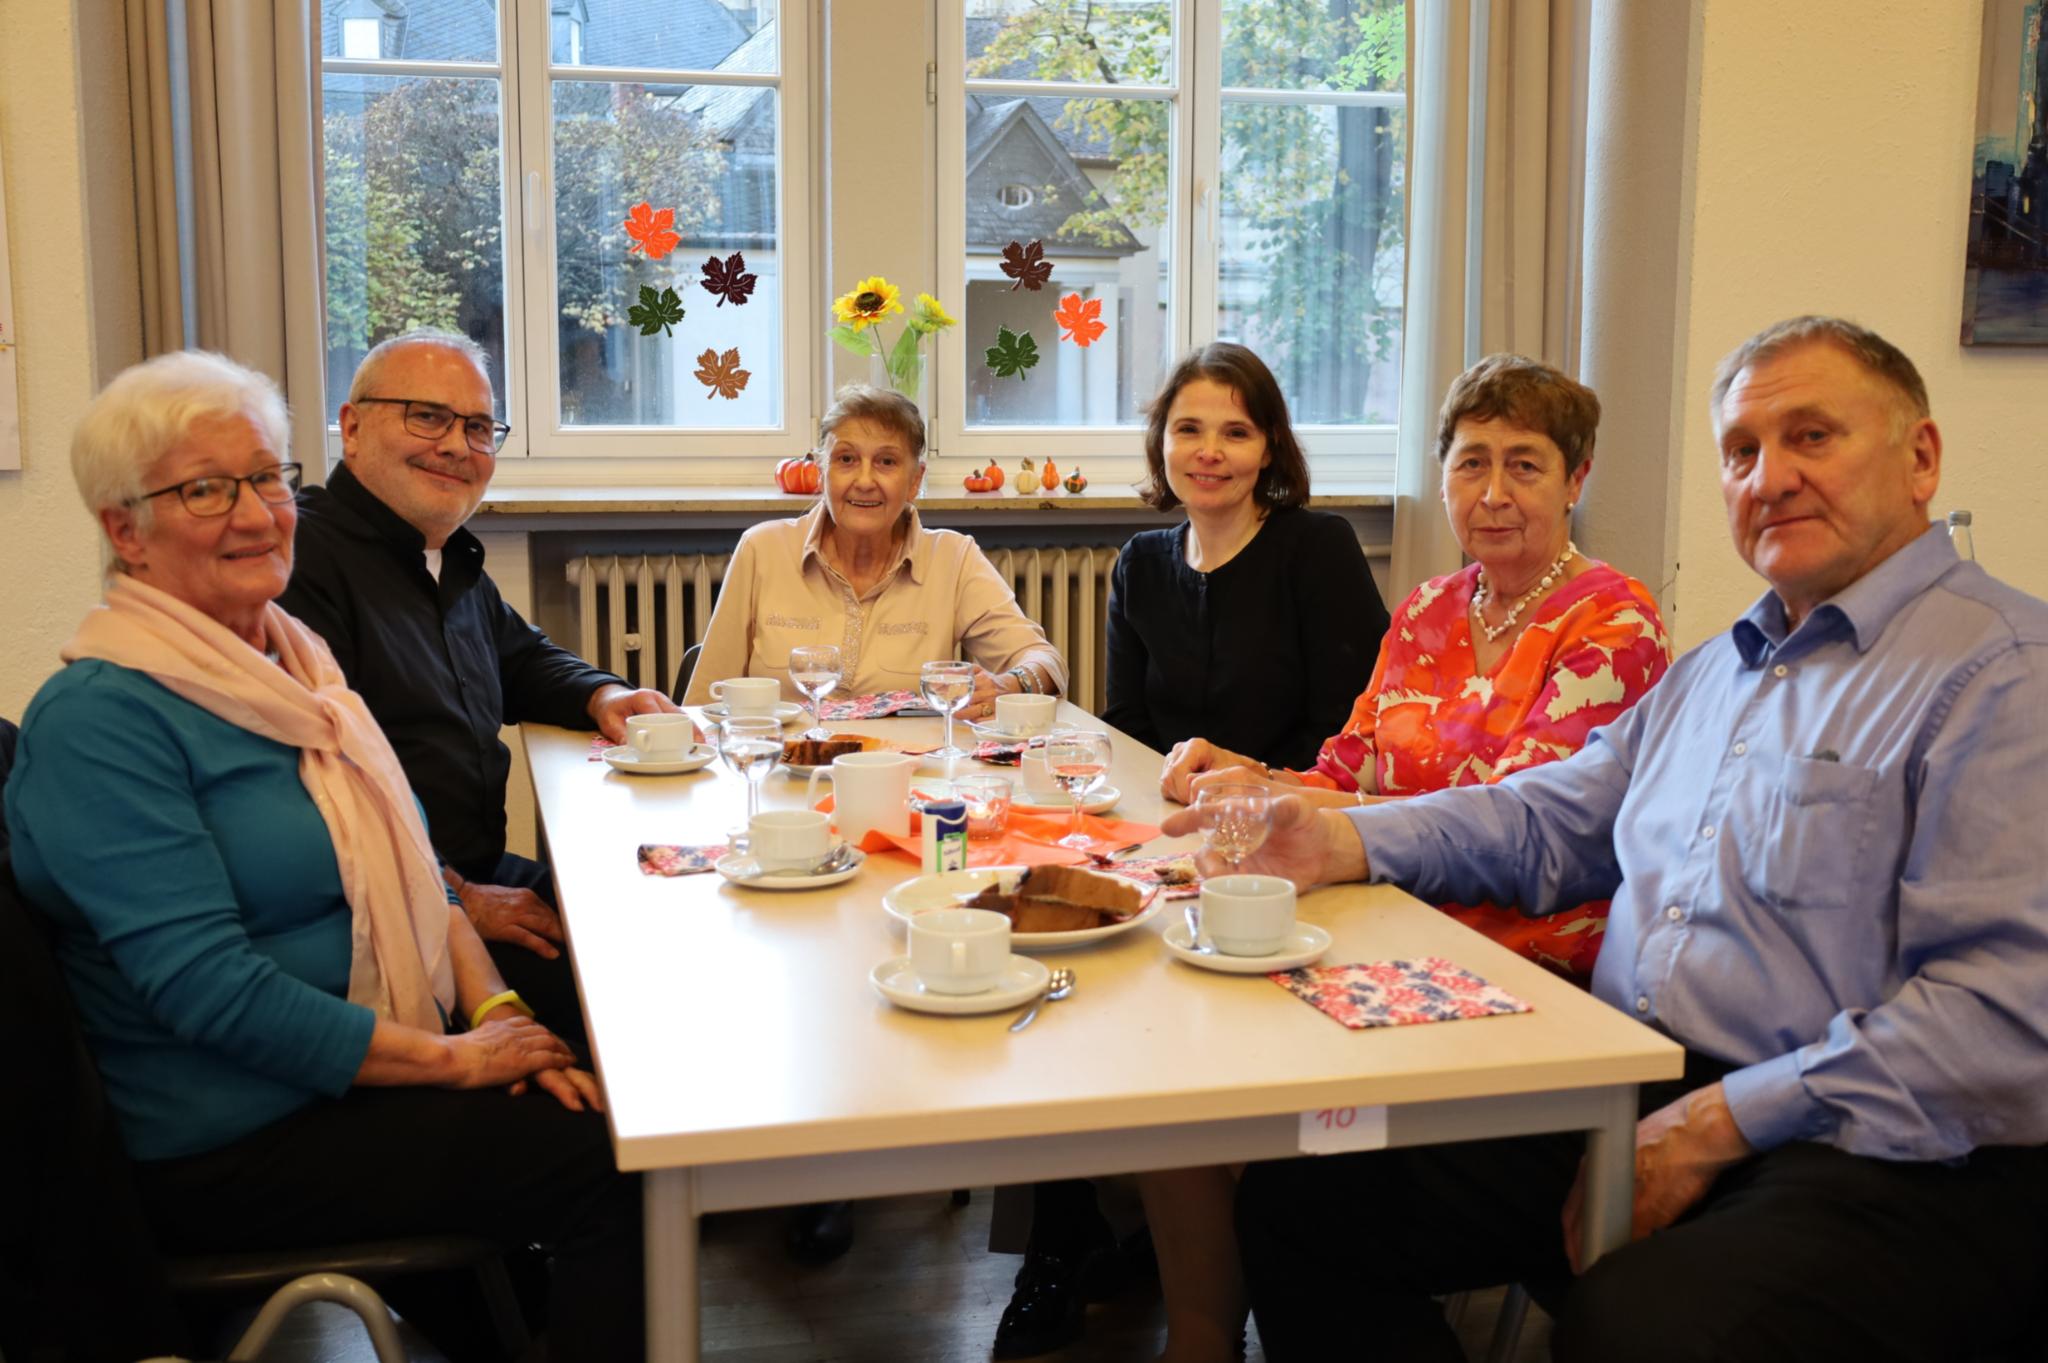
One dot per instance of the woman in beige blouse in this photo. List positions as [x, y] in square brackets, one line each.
[859, 571]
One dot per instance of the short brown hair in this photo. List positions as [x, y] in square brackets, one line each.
[885, 407]
[1284, 480]
[1880, 358]
[1529, 393]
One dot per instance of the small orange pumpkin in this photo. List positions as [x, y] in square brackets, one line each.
[1050, 477]
[994, 474]
[800, 475]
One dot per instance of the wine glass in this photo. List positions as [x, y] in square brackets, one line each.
[751, 745]
[815, 670]
[1234, 820]
[1078, 759]
[946, 687]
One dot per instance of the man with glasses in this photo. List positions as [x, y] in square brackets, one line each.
[387, 575]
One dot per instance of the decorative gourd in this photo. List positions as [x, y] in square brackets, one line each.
[1027, 477]
[800, 475]
[994, 474]
[978, 482]
[1049, 478]
[1075, 482]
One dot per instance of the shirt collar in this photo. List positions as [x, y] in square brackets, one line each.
[1864, 608]
[917, 549]
[378, 521]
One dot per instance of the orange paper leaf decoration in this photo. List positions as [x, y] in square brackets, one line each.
[653, 233]
[1080, 321]
[721, 374]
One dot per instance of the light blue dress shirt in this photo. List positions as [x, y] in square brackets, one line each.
[1828, 855]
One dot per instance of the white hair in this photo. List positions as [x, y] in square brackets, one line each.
[150, 408]
[366, 372]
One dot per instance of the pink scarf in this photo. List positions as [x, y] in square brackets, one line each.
[399, 965]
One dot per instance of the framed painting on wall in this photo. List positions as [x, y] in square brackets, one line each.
[2005, 276]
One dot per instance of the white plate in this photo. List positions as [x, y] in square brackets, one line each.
[1060, 802]
[1304, 945]
[896, 982]
[988, 731]
[951, 889]
[803, 773]
[757, 881]
[788, 711]
[630, 761]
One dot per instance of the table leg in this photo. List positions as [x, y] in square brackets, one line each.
[1610, 1175]
[669, 1204]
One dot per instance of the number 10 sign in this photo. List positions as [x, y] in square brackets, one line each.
[1336, 1130]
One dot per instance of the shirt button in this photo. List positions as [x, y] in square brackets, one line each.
[1642, 1003]
[1674, 913]
[1707, 832]
[1741, 748]
[1781, 671]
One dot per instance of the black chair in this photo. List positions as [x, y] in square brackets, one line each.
[684, 671]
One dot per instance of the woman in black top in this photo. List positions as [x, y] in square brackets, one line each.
[1255, 622]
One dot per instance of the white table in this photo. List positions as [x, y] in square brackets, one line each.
[749, 1063]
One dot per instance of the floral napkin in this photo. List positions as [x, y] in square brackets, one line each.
[599, 746]
[1005, 754]
[878, 706]
[666, 859]
[1397, 993]
[1176, 875]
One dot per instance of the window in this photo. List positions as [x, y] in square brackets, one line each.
[481, 174]
[1194, 170]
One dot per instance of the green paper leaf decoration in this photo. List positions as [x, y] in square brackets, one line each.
[656, 311]
[1012, 354]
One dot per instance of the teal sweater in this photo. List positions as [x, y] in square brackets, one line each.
[197, 904]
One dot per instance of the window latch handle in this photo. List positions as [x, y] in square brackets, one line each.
[532, 203]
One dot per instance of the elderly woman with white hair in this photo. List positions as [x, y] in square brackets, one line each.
[302, 1040]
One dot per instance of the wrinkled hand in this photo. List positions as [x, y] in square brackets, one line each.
[573, 1088]
[505, 913]
[1305, 845]
[1235, 776]
[612, 704]
[505, 1051]
[987, 686]
[1681, 1148]
[1188, 759]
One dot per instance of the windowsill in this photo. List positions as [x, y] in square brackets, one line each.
[724, 501]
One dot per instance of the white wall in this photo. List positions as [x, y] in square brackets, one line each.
[1831, 174]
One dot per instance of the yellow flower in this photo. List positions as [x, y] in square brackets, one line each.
[868, 303]
[930, 315]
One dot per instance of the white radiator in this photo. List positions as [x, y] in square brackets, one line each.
[636, 614]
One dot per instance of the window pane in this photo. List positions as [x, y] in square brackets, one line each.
[707, 152]
[1127, 43]
[417, 30]
[667, 35]
[1314, 45]
[414, 211]
[1087, 180]
[1310, 255]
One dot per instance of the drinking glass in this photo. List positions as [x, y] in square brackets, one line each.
[1235, 820]
[946, 687]
[1078, 759]
[815, 670]
[751, 745]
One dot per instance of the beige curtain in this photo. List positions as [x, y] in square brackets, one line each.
[247, 152]
[1496, 90]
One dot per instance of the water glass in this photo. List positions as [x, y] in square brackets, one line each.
[946, 687]
[1079, 760]
[751, 745]
[814, 668]
[988, 805]
[1234, 820]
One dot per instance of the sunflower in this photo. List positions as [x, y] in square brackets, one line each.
[869, 302]
[930, 315]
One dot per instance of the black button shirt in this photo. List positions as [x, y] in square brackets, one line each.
[1264, 656]
[443, 666]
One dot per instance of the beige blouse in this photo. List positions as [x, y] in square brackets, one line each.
[943, 599]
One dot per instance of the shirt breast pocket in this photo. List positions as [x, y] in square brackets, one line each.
[1811, 846]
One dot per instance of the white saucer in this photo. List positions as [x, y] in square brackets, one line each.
[1304, 945]
[788, 711]
[1060, 802]
[751, 879]
[988, 731]
[896, 982]
[630, 761]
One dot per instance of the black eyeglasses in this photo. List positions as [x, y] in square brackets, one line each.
[430, 421]
[217, 493]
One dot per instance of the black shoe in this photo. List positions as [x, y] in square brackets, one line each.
[819, 1233]
[1047, 1311]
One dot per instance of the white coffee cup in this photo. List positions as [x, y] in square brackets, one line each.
[869, 790]
[1037, 777]
[959, 951]
[660, 738]
[747, 695]
[1026, 715]
[1247, 915]
[789, 839]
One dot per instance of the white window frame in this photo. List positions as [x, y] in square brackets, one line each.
[541, 449]
[1364, 452]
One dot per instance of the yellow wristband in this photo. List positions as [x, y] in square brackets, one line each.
[476, 1018]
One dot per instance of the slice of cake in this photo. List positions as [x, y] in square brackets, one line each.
[816, 752]
[1059, 899]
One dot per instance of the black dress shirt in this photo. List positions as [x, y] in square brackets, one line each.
[1264, 656]
[443, 666]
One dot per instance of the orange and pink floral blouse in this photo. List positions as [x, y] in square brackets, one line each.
[1429, 719]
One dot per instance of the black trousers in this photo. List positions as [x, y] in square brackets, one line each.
[1802, 1253]
[387, 1162]
[549, 987]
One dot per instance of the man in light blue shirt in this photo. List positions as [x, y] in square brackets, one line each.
[1825, 840]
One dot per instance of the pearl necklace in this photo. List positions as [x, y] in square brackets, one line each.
[1485, 594]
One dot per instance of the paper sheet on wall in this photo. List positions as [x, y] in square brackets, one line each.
[10, 408]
